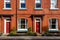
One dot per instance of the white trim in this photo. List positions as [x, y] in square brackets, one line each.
[38, 1]
[4, 26]
[54, 8]
[24, 1]
[22, 30]
[52, 29]
[40, 24]
[56, 24]
[38, 8]
[7, 8]
[5, 4]
[19, 23]
[22, 8]
[53, 4]
[5, 20]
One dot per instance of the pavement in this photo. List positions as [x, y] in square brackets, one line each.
[29, 37]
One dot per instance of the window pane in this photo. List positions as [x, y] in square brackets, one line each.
[8, 5]
[23, 5]
[38, 5]
[53, 21]
[53, 26]
[7, 0]
[22, 26]
[22, 21]
[53, 3]
[38, 20]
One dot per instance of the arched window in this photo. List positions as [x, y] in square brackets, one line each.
[22, 24]
[53, 24]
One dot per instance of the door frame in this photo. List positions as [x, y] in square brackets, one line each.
[5, 20]
[40, 24]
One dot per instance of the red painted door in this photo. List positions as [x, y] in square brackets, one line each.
[38, 27]
[7, 27]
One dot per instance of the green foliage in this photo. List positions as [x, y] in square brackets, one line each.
[13, 31]
[30, 32]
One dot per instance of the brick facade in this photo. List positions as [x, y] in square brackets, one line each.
[30, 14]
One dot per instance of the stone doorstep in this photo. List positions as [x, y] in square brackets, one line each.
[5, 34]
[38, 34]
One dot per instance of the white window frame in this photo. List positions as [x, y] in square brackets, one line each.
[56, 25]
[24, 1]
[5, 5]
[39, 1]
[19, 24]
[55, 4]
[5, 20]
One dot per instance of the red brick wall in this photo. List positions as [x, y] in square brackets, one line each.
[30, 4]
[12, 11]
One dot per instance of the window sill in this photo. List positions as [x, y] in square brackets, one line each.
[22, 8]
[38, 8]
[22, 30]
[53, 29]
[54, 8]
[7, 8]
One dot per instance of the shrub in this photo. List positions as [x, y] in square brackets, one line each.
[30, 33]
[13, 32]
[29, 29]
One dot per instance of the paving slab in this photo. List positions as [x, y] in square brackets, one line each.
[29, 37]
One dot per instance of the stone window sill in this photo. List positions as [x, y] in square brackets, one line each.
[7, 8]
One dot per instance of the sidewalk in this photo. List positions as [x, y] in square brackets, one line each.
[29, 37]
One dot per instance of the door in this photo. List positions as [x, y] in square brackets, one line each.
[37, 25]
[7, 27]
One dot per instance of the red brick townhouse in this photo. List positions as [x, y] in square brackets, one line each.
[40, 15]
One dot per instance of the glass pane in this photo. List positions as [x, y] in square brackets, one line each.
[22, 21]
[7, 0]
[37, 19]
[53, 21]
[22, 26]
[38, 5]
[8, 5]
[53, 26]
[53, 3]
[23, 5]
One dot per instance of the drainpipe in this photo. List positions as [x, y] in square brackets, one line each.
[16, 14]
